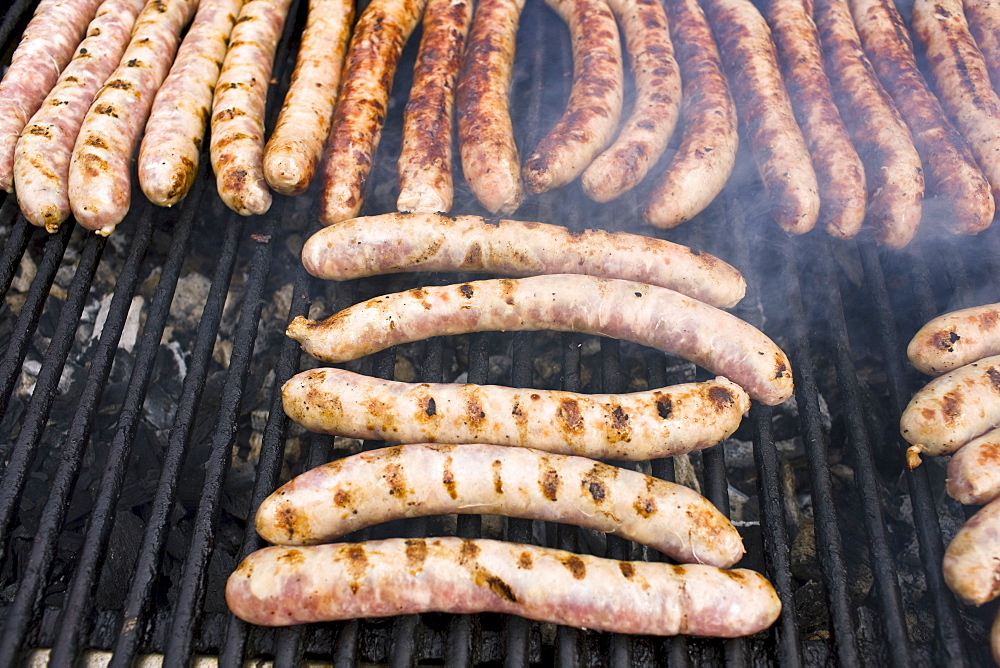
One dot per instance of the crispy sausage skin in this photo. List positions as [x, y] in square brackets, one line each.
[974, 471]
[400, 482]
[41, 160]
[397, 242]
[424, 166]
[171, 146]
[636, 426]
[296, 144]
[707, 152]
[595, 99]
[279, 586]
[954, 339]
[766, 113]
[644, 314]
[972, 561]
[645, 134]
[984, 24]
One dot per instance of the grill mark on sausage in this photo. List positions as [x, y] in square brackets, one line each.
[448, 479]
[548, 479]
[576, 566]
[356, 560]
[497, 467]
[416, 553]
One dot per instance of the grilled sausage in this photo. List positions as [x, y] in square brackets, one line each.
[637, 426]
[100, 188]
[397, 242]
[637, 312]
[974, 471]
[401, 482]
[984, 24]
[296, 144]
[47, 45]
[955, 339]
[953, 409]
[236, 145]
[486, 145]
[839, 172]
[377, 43]
[41, 161]
[645, 134]
[951, 172]
[595, 99]
[707, 152]
[963, 82]
[766, 113]
[972, 561]
[171, 148]
[425, 182]
[893, 171]
[279, 586]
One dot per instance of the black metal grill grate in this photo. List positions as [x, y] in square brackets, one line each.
[132, 450]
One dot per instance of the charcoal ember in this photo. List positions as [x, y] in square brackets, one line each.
[165, 386]
[238, 490]
[123, 546]
[189, 301]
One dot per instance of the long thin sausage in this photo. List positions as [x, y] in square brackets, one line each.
[637, 312]
[278, 586]
[637, 426]
[428, 479]
[41, 161]
[47, 45]
[954, 339]
[984, 24]
[171, 148]
[974, 471]
[397, 242]
[424, 167]
[971, 563]
[296, 144]
[595, 99]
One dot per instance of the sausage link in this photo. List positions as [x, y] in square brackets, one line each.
[279, 586]
[766, 113]
[954, 339]
[398, 242]
[41, 160]
[378, 486]
[47, 45]
[637, 312]
[171, 148]
[974, 471]
[707, 152]
[595, 99]
[984, 24]
[425, 181]
[296, 144]
[972, 561]
[645, 134]
[638, 426]
[100, 183]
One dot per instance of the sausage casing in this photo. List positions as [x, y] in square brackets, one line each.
[971, 563]
[954, 339]
[984, 24]
[974, 471]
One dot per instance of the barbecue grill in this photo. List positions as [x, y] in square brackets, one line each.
[141, 424]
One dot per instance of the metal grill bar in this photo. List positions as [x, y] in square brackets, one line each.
[13, 248]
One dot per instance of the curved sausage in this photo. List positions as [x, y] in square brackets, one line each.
[766, 113]
[171, 148]
[397, 242]
[954, 339]
[707, 152]
[595, 99]
[635, 427]
[972, 561]
[984, 24]
[637, 312]
[645, 134]
[974, 471]
[41, 160]
[424, 166]
[427, 479]
[279, 586]
[296, 143]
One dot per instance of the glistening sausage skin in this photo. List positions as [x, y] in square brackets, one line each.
[971, 563]
[974, 471]
[955, 339]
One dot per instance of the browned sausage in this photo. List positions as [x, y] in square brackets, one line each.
[955, 339]
[972, 561]
[974, 471]
[984, 24]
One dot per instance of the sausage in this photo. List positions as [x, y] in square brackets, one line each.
[47, 45]
[951, 172]
[595, 99]
[171, 148]
[280, 586]
[377, 43]
[952, 409]
[954, 339]
[766, 113]
[296, 144]
[636, 427]
[972, 561]
[974, 471]
[401, 482]
[397, 242]
[963, 82]
[637, 312]
[645, 134]
[236, 145]
[41, 160]
[707, 152]
[984, 24]
[894, 175]
[486, 145]
[424, 166]
[839, 172]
